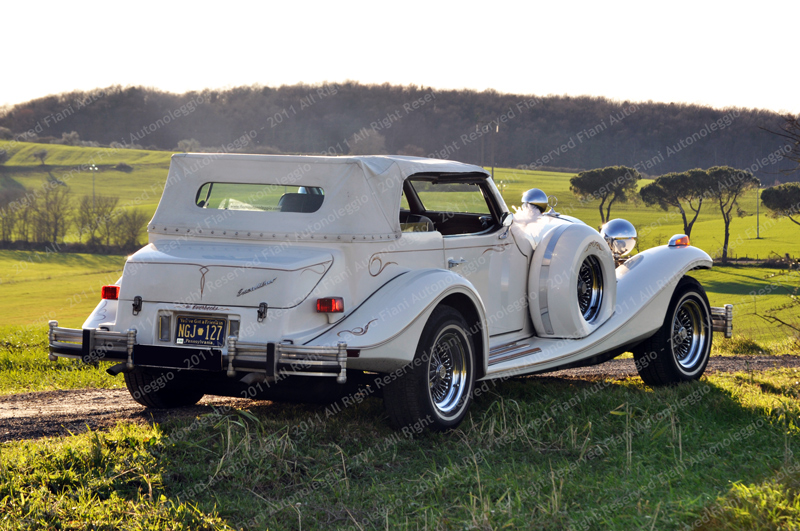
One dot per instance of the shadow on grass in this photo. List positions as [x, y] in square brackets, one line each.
[744, 281]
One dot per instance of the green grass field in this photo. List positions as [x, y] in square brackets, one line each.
[25, 368]
[755, 292]
[40, 286]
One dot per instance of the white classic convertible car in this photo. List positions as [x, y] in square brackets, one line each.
[285, 277]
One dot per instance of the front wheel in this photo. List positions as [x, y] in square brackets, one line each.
[435, 391]
[679, 350]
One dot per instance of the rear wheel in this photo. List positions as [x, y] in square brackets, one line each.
[435, 391]
[162, 389]
[679, 351]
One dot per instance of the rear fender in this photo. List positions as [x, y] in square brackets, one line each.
[386, 328]
[104, 314]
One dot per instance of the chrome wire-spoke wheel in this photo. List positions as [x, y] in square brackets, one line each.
[590, 288]
[680, 348]
[435, 390]
[689, 334]
[447, 370]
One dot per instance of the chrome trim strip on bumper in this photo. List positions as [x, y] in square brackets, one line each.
[281, 359]
[722, 319]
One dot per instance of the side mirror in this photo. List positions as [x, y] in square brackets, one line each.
[507, 219]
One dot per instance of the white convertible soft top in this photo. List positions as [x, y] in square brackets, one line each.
[362, 195]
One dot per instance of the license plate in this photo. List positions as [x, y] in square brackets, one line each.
[202, 331]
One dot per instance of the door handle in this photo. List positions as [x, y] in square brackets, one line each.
[451, 262]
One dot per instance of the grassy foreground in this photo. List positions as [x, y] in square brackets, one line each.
[536, 453]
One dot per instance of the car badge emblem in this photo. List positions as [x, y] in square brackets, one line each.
[257, 286]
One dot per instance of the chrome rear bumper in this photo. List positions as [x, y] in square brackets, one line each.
[272, 360]
[90, 345]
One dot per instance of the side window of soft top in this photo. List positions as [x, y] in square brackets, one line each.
[449, 206]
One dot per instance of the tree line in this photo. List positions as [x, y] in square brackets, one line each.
[525, 131]
[686, 192]
[50, 214]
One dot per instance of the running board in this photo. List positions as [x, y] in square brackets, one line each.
[511, 351]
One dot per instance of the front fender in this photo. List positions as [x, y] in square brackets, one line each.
[646, 282]
[386, 328]
[645, 286]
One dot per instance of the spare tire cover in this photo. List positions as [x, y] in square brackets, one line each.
[571, 282]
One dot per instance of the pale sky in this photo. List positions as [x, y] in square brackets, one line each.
[714, 53]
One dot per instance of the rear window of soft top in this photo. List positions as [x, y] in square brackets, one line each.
[259, 197]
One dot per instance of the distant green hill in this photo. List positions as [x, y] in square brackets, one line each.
[140, 188]
[59, 155]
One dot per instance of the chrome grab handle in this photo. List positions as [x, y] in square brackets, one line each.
[451, 262]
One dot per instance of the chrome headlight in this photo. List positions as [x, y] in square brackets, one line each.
[536, 197]
[620, 234]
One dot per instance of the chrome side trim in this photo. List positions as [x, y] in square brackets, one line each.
[522, 351]
[544, 274]
[503, 348]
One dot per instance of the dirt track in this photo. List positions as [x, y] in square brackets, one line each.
[50, 413]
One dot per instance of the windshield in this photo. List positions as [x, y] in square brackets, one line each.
[451, 197]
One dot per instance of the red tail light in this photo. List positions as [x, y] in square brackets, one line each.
[330, 305]
[110, 292]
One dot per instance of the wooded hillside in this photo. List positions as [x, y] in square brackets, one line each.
[553, 131]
